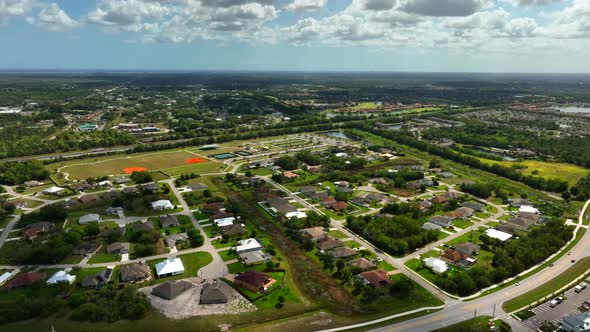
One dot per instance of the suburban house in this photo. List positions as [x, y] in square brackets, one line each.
[528, 209]
[254, 281]
[440, 199]
[86, 248]
[221, 215]
[197, 186]
[248, 245]
[338, 206]
[233, 230]
[280, 205]
[135, 272]
[328, 243]
[26, 279]
[307, 190]
[97, 280]
[170, 290]
[223, 222]
[172, 239]
[81, 186]
[130, 191]
[442, 221]
[3, 277]
[162, 204]
[457, 258]
[33, 183]
[169, 267]
[360, 201]
[296, 214]
[518, 202]
[499, 235]
[313, 233]
[54, 191]
[374, 197]
[143, 225]
[213, 208]
[89, 218]
[436, 265]
[88, 199]
[430, 226]
[467, 248]
[152, 186]
[168, 221]
[290, 175]
[362, 264]
[61, 276]
[33, 231]
[118, 248]
[327, 201]
[342, 252]
[479, 207]
[520, 224]
[115, 210]
[254, 257]
[375, 278]
[212, 294]
[461, 213]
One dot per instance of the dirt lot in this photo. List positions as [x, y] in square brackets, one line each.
[187, 304]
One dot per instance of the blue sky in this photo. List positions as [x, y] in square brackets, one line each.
[329, 35]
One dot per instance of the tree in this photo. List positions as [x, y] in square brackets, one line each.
[53, 213]
[141, 177]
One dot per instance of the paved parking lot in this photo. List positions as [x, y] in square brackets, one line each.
[569, 306]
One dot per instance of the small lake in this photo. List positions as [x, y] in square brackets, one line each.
[574, 109]
[397, 126]
[337, 134]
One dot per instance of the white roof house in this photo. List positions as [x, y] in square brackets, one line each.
[4, 277]
[61, 276]
[89, 218]
[53, 190]
[296, 214]
[341, 154]
[254, 257]
[528, 209]
[437, 265]
[162, 204]
[496, 234]
[105, 183]
[248, 245]
[171, 266]
[222, 222]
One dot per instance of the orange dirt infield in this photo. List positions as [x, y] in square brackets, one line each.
[130, 170]
[196, 160]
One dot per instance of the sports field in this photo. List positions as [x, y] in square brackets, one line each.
[563, 171]
[171, 162]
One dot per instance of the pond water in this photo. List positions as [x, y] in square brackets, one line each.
[574, 109]
[337, 134]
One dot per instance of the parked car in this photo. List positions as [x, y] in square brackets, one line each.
[580, 287]
[573, 260]
[555, 302]
[586, 304]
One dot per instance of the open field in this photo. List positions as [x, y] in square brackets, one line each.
[563, 171]
[174, 162]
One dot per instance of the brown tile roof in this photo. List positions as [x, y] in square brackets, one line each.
[26, 279]
[377, 278]
[253, 278]
[328, 243]
[454, 256]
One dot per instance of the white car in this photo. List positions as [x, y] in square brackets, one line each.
[556, 301]
[580, 287]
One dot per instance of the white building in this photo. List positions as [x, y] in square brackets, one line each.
[53, 190]
[162, 204]
[496, 234]
[170, 267]
[528, 209]
[89, 218]
[248, 245]
[296, 214]
[436, 265]
[61, 276]
[222, 222]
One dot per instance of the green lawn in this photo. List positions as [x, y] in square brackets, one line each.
[563, 171]
[226, 255]
[102, 257]
[337, 234]
[581, 267]
[192, 263]
[461, 223]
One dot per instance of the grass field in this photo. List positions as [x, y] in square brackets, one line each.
[173, 162]
[563, 171]
[472, 325]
